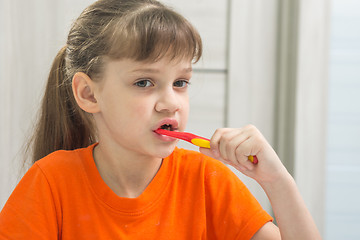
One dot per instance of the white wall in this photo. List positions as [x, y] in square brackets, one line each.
[343, 148]
[252, 65]
[311, 104]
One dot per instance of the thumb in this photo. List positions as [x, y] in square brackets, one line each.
[210, 153]
[214, 154]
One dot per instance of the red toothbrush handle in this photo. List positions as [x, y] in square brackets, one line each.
[181, 135]
[189, 137]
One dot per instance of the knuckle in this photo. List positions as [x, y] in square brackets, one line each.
[251, 127]
[230, 147]
[220, 130]
[226, 137]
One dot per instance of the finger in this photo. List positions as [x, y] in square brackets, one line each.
[209, 153]
[233, 144]
[227, 145]
[246, 149]
[215, 140]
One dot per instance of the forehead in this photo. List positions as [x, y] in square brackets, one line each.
[129, 66]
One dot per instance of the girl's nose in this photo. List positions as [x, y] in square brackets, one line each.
[168, 101]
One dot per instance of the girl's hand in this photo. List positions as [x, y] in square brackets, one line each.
[233, 146]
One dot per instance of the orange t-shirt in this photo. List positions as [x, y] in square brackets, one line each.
[63, 196]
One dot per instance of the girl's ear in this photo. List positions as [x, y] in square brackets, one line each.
[83, 89]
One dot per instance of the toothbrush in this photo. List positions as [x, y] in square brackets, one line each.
[191, 138]
[194, 139]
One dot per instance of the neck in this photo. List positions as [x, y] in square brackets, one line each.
[128, 175]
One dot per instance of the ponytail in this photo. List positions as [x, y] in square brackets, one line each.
[62, 124]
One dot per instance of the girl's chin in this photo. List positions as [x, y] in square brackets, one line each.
[165, 151]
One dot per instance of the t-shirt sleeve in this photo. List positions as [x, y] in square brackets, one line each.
[232, 211]
[30, 211]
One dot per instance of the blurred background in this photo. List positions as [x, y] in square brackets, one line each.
[292, 68]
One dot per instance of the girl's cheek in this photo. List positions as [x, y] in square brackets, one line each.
[142, 108]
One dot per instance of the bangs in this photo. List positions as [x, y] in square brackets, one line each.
[152, 33]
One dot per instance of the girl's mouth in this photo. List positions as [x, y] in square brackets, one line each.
[168, 127]
[169, 124]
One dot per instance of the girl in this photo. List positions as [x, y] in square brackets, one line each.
[104, 173]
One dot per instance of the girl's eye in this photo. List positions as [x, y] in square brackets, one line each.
[181, 83]
[144, 83]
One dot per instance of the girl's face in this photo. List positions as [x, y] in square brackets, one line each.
[136, 98]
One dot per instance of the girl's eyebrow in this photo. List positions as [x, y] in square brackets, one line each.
[154, 70]
[146, 70]
[187, 70]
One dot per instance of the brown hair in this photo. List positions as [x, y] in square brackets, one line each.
[142, 30]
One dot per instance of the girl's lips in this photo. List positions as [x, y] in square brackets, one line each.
[167, 121]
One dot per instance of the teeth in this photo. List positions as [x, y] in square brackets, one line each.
[166, 127]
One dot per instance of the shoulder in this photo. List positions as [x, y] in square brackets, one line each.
[37, 200]
[63, 165]
[64, 160]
